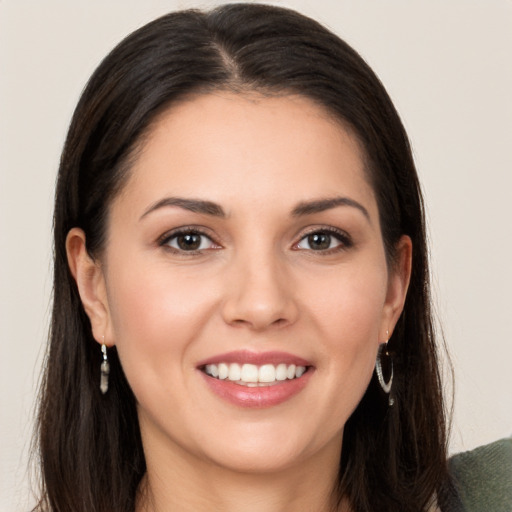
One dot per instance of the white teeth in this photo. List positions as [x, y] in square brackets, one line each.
[249, 373]
[281, 372]
[234, 371]
[212, 369]
[223, 371]
[267, 373]
[252, 375]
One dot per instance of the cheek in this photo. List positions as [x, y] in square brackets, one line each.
[155, 316]
[347, 312]
[350, 304]
[153, 297]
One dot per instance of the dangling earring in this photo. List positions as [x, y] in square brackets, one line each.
[104, 369]
[386, 386]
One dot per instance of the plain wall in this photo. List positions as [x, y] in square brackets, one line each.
[448, 67]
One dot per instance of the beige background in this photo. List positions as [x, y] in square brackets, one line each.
[448, 67]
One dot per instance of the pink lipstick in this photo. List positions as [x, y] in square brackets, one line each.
[251, 379]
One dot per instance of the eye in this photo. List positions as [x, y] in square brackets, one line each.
[324, 240]
[188, 241]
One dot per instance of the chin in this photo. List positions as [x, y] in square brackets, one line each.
[242, 459]
[259, 449]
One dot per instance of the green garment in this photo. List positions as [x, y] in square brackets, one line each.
[483, 478]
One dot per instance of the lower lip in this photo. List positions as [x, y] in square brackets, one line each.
[257, 397]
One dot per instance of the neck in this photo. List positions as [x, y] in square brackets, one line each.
[180, 483]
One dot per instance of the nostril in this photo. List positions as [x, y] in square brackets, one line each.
[255, 325]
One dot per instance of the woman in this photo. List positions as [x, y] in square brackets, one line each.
[239, 242]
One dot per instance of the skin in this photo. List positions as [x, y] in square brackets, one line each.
[256, 283]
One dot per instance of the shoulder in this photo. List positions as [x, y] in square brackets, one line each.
[483, 477]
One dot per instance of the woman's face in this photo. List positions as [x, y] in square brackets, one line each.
[247, 243]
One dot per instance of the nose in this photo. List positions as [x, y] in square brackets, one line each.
[260, 294]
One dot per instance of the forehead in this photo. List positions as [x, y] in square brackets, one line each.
[230, 147]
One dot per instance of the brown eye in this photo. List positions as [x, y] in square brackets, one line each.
[319, 241]
[324, 240]
[189, 241]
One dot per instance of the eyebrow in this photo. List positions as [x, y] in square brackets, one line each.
[192, 205]
[321, 205]
[214, 209]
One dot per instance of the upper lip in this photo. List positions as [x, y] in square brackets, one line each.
[256, 358]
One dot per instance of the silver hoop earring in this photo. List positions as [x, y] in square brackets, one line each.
[104, 370]
[386, 386]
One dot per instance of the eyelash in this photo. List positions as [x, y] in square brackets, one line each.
[165, 239]
[342, 237]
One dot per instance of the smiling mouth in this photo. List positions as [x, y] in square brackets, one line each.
[252, 375]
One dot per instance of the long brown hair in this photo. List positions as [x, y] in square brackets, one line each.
[91, 453]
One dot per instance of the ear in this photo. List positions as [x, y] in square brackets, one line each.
[398, 284]
[90, 280]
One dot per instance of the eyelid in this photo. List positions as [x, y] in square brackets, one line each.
[342, 236]
[164, 239]
[339, 234]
